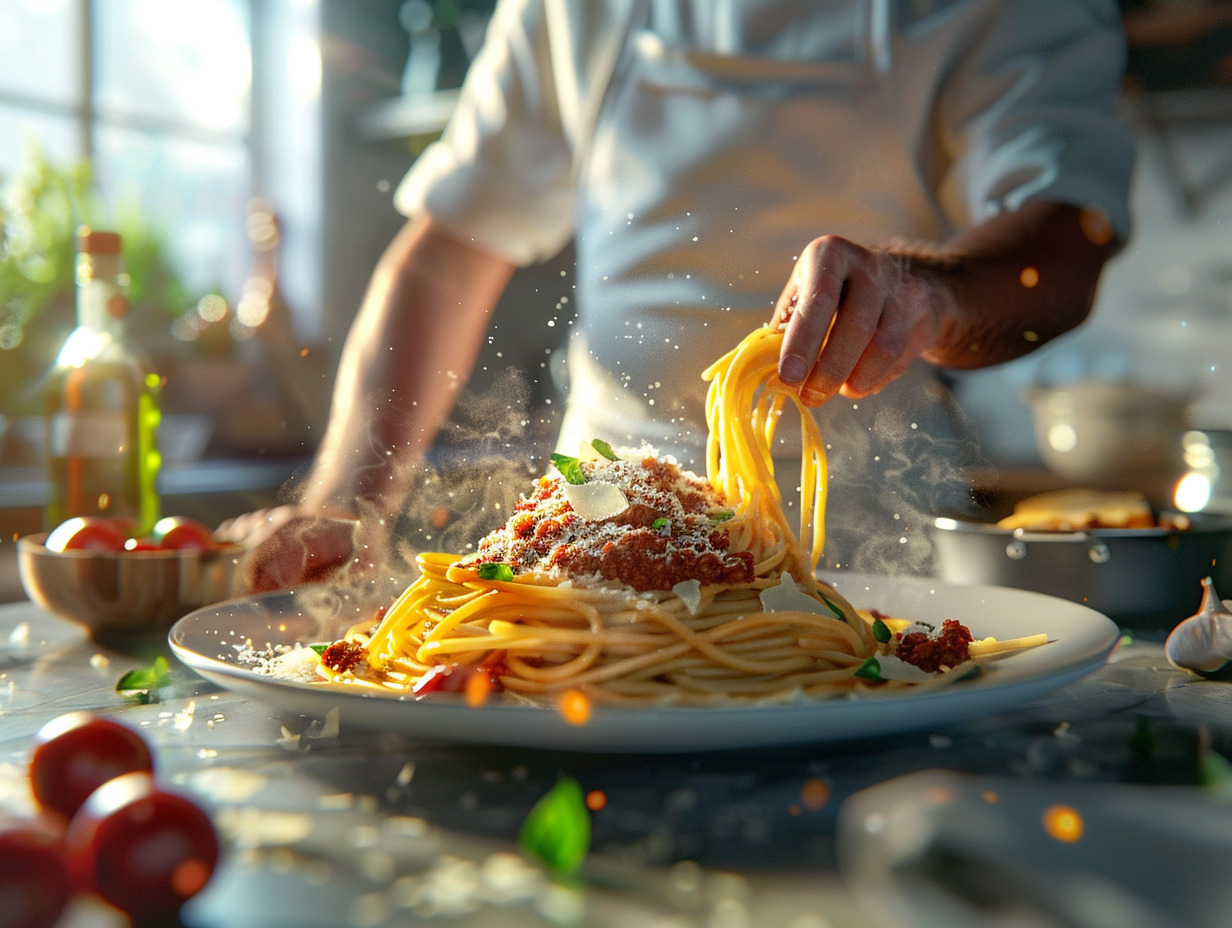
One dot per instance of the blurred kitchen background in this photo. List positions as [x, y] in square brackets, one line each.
[248, 151]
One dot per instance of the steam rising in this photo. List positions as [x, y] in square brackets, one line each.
[485, 458]
[896, 461]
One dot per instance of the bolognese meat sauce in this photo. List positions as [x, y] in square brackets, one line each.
[948, 648]
[670, 531]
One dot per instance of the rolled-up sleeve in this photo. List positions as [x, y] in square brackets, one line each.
[1030, 113]
[501, 174]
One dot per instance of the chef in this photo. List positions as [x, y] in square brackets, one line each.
[907, 186]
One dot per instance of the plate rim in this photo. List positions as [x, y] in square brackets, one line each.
[675, 729]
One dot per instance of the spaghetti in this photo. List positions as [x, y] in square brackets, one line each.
[634, 581]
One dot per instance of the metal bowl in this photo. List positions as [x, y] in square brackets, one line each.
[1147, 578]
[121, 595]
[1112, 435]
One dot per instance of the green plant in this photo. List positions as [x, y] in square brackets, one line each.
[41, 206]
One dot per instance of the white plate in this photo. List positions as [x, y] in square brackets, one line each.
[209, 640]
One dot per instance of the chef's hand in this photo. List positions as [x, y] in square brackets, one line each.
[854, 319]
[288, 547]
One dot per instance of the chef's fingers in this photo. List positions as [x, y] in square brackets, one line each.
[252, 528]
[816, 284]
[786, 304]
[858, 320]
[303, 550]
[909, 324]
[894, 345]
[877, 368]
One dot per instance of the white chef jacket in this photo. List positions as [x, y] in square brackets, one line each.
[691, 148]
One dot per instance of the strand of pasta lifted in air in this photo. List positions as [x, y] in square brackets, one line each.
[631, 580]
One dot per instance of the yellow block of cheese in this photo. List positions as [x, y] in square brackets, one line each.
[1077, 509]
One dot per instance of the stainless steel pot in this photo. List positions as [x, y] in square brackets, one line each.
[1140, 578]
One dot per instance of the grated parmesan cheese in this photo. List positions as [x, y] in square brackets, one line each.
[646, 523]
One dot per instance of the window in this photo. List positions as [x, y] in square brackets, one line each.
[157, 96]
[184, 112]
[169, 102]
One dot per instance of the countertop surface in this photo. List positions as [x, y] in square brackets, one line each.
[955, 825]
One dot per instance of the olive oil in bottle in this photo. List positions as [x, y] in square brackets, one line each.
[102, 402]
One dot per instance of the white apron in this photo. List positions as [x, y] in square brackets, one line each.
[683, 248]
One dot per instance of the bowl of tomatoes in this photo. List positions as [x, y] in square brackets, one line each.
[102, 574]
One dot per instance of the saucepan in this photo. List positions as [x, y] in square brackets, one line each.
[1141, 578]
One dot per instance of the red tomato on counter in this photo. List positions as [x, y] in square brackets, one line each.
[34, 878]
[88, 533]
[144, 850]
[77, 753]
[182, 532]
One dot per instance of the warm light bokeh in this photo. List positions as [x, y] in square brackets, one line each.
[575, 707]
[1063, 823]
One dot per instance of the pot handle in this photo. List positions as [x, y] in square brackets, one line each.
[1097, 549]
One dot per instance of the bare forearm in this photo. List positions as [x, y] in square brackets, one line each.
[1015, 283]
[409, 352]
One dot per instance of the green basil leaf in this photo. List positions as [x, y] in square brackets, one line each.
[832, 607]
[557, 828]
[604, 449]
[869, 670]
[320, 648]
[881, 631]
[495, 572]
[570, 468]
[143, 683]
[660, 523]
[1142, 742]
[1214, 771]
[722, 515]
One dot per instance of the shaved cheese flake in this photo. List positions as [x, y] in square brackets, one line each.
[787, 597]
[894, 668]
[690, 593]
[596, 501]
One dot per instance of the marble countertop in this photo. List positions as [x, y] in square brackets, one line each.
[323, 825]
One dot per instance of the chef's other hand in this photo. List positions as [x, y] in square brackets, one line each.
[287, 547]
[853, 319]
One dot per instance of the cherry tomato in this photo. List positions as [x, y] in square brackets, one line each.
[144, 850]
[34, 877]
[125, 525]
[77, 753]
[182, 532]
[140, 544]
[92, 533]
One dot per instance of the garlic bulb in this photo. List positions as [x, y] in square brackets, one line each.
[1203, 642]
